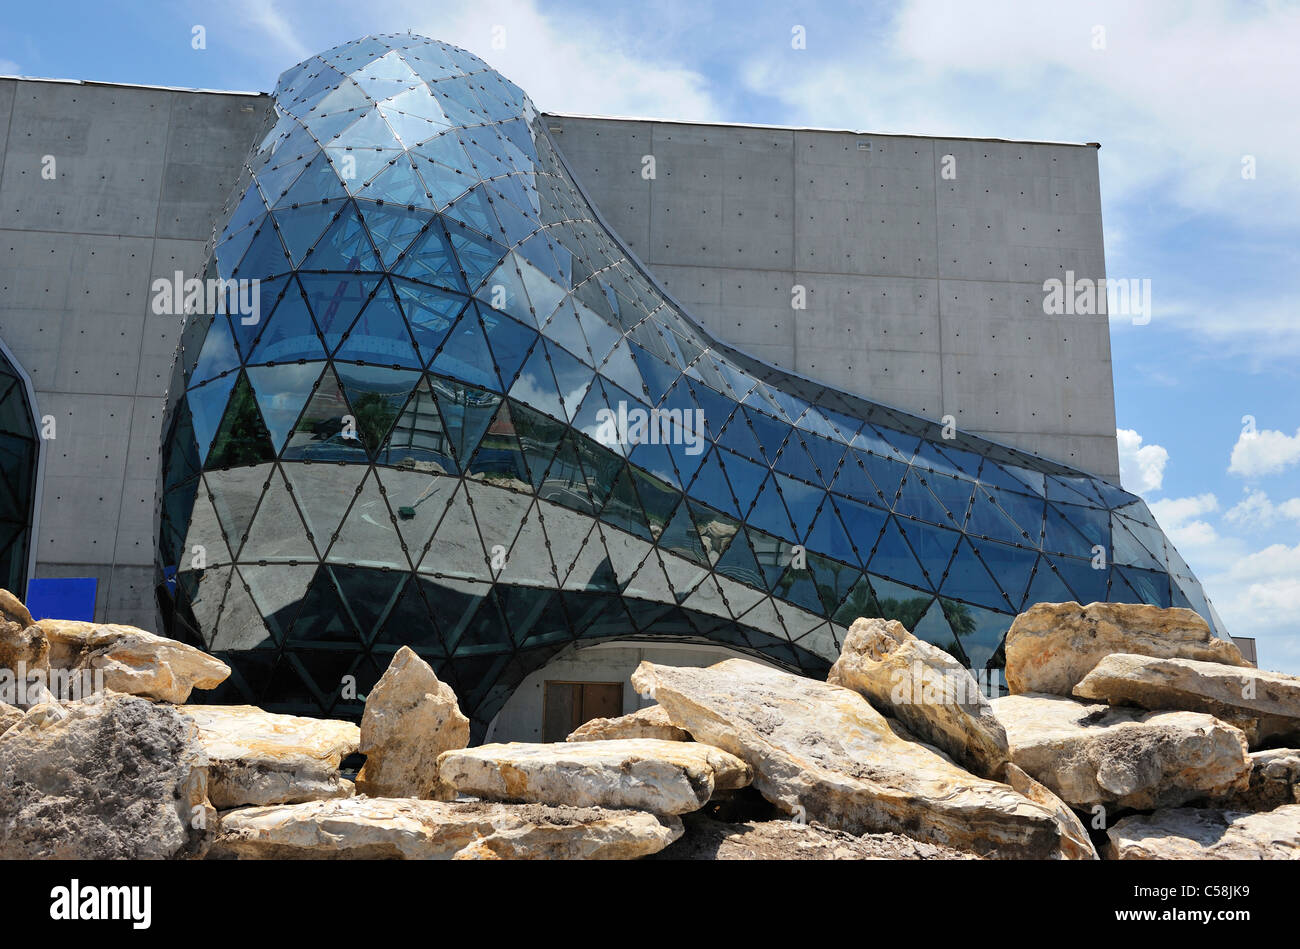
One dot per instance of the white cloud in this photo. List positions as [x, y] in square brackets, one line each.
[9, 68]
[1257, 595]
[1264, 452]
[1141, 467]
[1257, 511]
[273, 25]
[569, 63]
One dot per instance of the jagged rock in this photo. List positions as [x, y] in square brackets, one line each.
[1274, 781]
[362, 828]
[926, 689]
[1074, 839]
[1052, 646]
[119, 777]
[9, 715]
[663, 777]
[1096, 754]
[821, 752]
[19, 641]
[411, 718]
[1265, 705]
[132, 661]
[257, 757]
[649, 722]
[1188, 833]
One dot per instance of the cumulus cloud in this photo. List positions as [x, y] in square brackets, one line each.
[1256, 510]
[1141, 467]
[1257, 595]
[1264, 452]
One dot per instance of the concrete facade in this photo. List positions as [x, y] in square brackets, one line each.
[138, 177]
[924, 292]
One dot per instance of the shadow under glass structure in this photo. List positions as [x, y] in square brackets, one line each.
[431, 435]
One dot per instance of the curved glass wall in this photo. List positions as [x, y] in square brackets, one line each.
[19, 448]
[456, 414]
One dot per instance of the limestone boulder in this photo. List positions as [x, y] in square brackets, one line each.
[1274, 782]
[116, 778]
[411, 718]
[9, 715]
[1265, 705]
[258, 758]
[362, 828]
[1096, 754]
[821, 752]
[1052, 646]
[1075, 842]
[649, 722]
[663, 777]
[21, 645]
[926, 689]
[1187, 833]
[132, 661]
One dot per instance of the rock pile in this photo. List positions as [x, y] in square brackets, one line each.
[1129, 730]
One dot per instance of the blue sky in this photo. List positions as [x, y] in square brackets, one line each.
[1179, 93]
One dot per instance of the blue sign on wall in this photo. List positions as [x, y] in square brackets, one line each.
[62, 598]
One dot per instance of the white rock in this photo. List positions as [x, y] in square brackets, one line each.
[411, 718]
[1096, 754]
[649, 722]
[257, 757]
[1186, 833]
[411, 829]
[663, 777]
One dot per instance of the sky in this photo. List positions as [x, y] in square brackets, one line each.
[1195, 104]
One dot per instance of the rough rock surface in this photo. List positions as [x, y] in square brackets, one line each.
[1075, 840]
[663, 777]
[116, 778]
[410, 829]
[1265, 705]
[19, 642]
[821, 752]
[649, 722]
[411, 718]
[1188, 833]
[1095, 754]
[9, 715]
[1274, 781]
[133, 661]
[1052, 646]
[257, 757]
[709, 839]
[926, 689]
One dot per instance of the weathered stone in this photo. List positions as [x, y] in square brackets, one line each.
[409, 829]
[1097, 754]
[257, 757]
[1188, 833]
[1052, 646]
[119, 777]
[411, 717]
[926, 689]
[649, 722]
[1075, 841]
[1274, 781]
[821, 752]
[9, 715]
[132, 661]
[20, 642]
[663, 777]
[1265, 705]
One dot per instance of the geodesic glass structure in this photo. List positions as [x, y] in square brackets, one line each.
[429, 434]
[19, 452]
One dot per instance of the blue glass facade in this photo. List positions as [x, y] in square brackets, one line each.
[429, 435]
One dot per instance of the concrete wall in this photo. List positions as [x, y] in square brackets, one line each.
[140, 176]
[924, 293]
